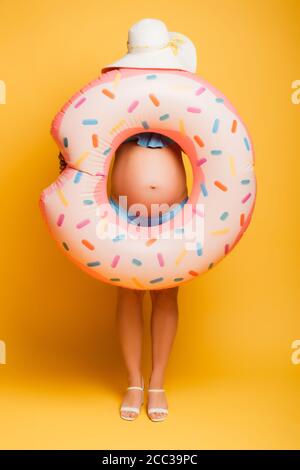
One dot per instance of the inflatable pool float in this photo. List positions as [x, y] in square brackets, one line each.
[89, 129]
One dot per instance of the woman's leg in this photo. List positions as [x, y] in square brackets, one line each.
[130, 331]
[164, 322]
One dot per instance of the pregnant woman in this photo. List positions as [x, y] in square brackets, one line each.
[148, 170]
[163, 95]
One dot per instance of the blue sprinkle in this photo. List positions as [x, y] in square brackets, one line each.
[224, 215]
[66, 143]
[107, 151]
[219, 100]
[151, 77]
[164, 117]
[88, 202]
[145, 125]
[89, 122]
[93, 264]
[179, 230]
[216, 152]
[65, 246]
[158, 279]
[245, 181]
[199, 249]
[216, 126]
[204, 190]
[115, 279]
[137, 262]
[246, 143]
[119, 237]
[77, 177]
[178, 279]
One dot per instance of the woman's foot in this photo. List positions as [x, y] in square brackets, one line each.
[132, 401]
[157, 403]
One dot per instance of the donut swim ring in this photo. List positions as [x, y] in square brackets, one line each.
[185, 108]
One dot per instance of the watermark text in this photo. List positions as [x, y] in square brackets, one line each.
[2, 92]
[295, 356]
[2, 352]
[295, 96]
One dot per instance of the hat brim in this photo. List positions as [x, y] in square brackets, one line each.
[164, 58]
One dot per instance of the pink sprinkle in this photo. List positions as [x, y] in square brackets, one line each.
[197, 212]
[200, 90]
[201, 161]
[83, 223]
[115, 261]
[226, 248]
[101, 176]
[245, 199]
[79, 103]
[160, 259]
[191, 109]
[132, 106]
[60, 220]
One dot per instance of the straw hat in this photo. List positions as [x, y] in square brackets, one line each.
[151, 45]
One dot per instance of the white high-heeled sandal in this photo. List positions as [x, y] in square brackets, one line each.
[133, 409]
[151, 410]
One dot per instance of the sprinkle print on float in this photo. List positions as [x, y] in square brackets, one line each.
[180, 106]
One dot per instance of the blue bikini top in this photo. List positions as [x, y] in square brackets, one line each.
[150, 139]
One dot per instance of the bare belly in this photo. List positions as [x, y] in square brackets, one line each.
[148, 176]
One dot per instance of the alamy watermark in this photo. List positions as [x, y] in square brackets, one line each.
[295, 96]
[2, 352]
[295, 356]
[189, 222]
[2, 101]
[2, 92]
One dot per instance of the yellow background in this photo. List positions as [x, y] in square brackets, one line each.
[230, 381]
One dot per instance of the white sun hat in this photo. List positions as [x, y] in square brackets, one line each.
[151, 45]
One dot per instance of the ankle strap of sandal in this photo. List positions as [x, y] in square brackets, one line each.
[135, 388]
[156, 389]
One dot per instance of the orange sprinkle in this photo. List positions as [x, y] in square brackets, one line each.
[199, 140]
[242, 219]
[87, 244]
[108, 93]
[193, 273]
[95, 140]
[151, 241]
[220, 185]
[234, 126]
[154, 100]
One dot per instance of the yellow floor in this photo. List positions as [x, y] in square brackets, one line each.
[221, 413]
